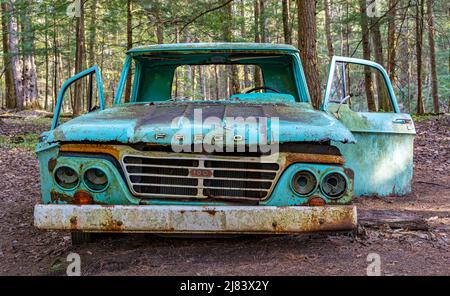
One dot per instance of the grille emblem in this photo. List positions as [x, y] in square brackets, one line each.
[200, 173]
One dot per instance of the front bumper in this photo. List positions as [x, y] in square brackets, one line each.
[194, 219]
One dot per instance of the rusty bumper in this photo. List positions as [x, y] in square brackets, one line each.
[194, 219]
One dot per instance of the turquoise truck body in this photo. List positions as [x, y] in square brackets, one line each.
[370, 152]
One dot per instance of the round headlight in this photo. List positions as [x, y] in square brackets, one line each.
[334, 185]
[66, 177]
[304, 182]
[95, 179]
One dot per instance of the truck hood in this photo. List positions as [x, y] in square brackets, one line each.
[158, 123]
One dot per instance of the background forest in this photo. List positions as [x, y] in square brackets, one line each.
[45, 42]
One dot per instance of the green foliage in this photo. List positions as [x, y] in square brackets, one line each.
[22, 141]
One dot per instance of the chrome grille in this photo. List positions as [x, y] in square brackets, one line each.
[200, 177]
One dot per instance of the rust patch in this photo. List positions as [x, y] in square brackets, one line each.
[211, 212]
[91, 148]
[313, 158]
[73, 222]
[350, 174]
[112, 225]
[56, 196]
[316, 201]
[51, 164]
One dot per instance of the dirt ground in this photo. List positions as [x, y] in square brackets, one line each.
[26, 251]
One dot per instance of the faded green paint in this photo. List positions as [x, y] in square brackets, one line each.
[285, 194]
[222, 47]
[382, 158]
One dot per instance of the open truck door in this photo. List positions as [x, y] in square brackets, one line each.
[89, 73]
[360, 95]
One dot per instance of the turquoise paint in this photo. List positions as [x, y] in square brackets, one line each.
[273, 98]
[382, 158]
[374, 158]
[117, 192]
[154, 75]
[224, 46]
[284, 194]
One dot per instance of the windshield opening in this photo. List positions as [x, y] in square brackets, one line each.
[212, 76]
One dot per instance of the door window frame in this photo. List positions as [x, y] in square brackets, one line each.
[376, 66]
[88, 72]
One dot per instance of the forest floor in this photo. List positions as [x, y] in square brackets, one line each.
[24, 250]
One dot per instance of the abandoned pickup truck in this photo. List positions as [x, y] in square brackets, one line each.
[222, 138]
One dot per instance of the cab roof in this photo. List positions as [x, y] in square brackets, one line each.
[214, 47]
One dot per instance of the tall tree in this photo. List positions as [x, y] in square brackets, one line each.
[377, 43]
[233, 76]
[92, 33]
[262, 20]
[10, 92]
[366, 55]
[257, 14]
[419, 33]
[392, 42]
[308, 48]
[13, 51]
[79, 61]
[154, 14]
[243, 36]
[286, 26]
[434, 81]
[30, 97]
[129, 46]
[328, 28]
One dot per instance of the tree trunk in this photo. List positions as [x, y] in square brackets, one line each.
[308, 48]
[434, 81]
[29, 65]
[243, 36]
[92, 33]
[286, 27]
[383, 104]
[79, 62]
[419, 33]
[392, 43]
[47, 63]
[13, 50]
[129, 46]
[257, 74]
[55, 64]
[262, 20]
[232, 74]
[10, 92]
[328, 29]
[366, 55]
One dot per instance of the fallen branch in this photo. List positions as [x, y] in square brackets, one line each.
[394, 219]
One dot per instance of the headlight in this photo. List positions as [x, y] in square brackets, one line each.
[334, 185]
[304, 182]
[95, 179]
[66, 177]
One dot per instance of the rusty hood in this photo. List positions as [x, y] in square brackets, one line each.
[160, 123]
